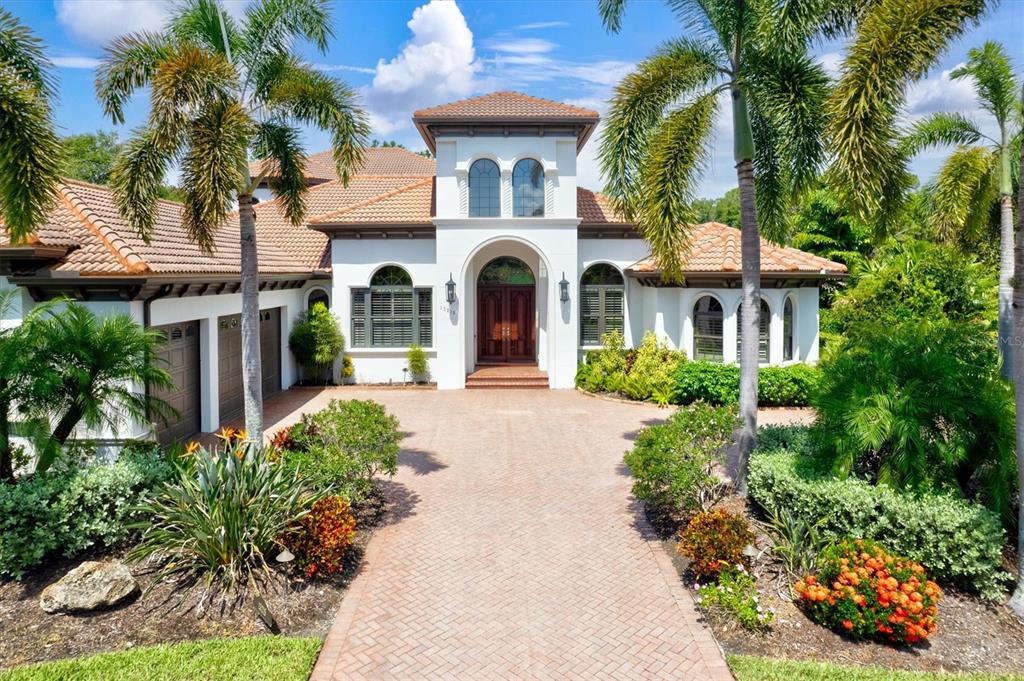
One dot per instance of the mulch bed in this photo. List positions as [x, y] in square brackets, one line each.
[974, 635]
[167, 613]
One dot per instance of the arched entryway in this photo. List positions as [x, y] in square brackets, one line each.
[506, 312]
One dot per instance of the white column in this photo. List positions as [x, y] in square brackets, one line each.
[209, 378]
[506, 191]
[775, 303]
[806, 323]
[730, 327]
[289, 367]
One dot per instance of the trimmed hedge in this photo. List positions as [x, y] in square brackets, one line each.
[959, 542]
[717, 383]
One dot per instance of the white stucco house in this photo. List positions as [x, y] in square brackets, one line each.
[490, 255]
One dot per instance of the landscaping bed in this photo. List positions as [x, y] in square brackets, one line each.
[302, 607]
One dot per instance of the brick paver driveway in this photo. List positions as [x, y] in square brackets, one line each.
[514, 550]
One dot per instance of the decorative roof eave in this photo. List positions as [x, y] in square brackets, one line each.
[501, 126]
[732, 278]
[377, 230]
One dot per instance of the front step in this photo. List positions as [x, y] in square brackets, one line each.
[507, 376]
[507, 383]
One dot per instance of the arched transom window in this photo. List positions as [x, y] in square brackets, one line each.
[318, 295]
[506, 270]
[602, 303]
[484, 189]
[764, 332]
[391, 312]
[707, 329]
[528, 189]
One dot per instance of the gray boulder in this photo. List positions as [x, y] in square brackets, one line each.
[90, 586]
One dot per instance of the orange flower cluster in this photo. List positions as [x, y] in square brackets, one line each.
[325, 534]
[863, 590]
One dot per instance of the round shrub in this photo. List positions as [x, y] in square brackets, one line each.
[715, 540]
[316, 340]
[324, 536]
[866, 592]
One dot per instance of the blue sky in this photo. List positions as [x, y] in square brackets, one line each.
[405, 55]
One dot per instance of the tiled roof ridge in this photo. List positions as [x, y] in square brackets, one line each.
[509, 93]
[370, 202]
[114, 242]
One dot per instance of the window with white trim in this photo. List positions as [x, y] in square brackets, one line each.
[602, 303]
[787, 330]
[764, 332]
[707, 329]
[528, 189]
[391, 312]
[484, 189]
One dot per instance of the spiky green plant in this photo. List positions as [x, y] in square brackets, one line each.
[222, 91]
[982, 170]
[30, 151]
[662, 115]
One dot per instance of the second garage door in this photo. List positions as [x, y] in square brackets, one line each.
[229, 351]
[180, 358]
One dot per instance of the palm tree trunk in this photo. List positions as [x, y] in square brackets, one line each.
[1006, 268]
[1017, 601]
[252, 379]
[61, 432]
[750, 250]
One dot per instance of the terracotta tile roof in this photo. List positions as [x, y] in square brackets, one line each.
[595, 208]
[504, 106]
[308, 246]
[376, 161]
[408, 205]
[715, 247]
[54, 233]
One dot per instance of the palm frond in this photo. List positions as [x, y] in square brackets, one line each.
[796, 23]
[136, 179]
[940, 129]
[199, 21]
[675, 159]
[314, 98]
[897, 41]
[213, 168]
[678, 69]
[129, 63]
[30, 154]
[280, 147]
[611, 12]
[188, 79]
[22, 52]
[965, 189]
[771, 181]
[272, 26]
[994, 80]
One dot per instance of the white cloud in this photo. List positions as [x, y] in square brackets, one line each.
[941, 93]
[831, 61]
[99, 21]
[520, 45]
[75, 62]
[344, 67]
[542, 24]
[437, 65]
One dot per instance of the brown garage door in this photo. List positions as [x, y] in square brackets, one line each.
[180, 357]
[229, 351]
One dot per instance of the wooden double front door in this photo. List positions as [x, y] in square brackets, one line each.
[505, 323]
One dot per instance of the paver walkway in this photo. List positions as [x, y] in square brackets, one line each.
[514, 550]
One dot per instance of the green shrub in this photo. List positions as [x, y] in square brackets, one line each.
[74, 509]
[959, 542]
[416, 359]
[735, 593]
[651, 367]
[604, 370]
[673, 464]
[717, 383]
[316, 340]
[919, 405]
[715, 541]
[222, 520]
[342, 448]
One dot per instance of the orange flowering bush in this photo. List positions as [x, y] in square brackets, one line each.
[715, 540]
[282, 439]
[866, 592]
[323, 537]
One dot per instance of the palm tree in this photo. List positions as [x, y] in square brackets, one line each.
[656, 139]
[657, 136]
[982, 170]
[97, 365]
[30, 151]
[1017, 600]
[220, 92]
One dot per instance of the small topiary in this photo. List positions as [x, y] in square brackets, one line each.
[324, 535]
[416, 358]
[865, 592]
[715, 540]
[316, 340]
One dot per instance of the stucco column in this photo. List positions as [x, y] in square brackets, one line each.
[730, 326]
[209, 378]
[806, 324]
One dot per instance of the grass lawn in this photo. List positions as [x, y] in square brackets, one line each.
[262, 658]
[766, 669]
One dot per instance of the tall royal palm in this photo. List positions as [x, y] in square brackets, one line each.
[220, 92]
[981, 170]
[657, 138]
[30, 151]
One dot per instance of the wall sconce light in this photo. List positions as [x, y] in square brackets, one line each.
[563, 288]
[450, 289]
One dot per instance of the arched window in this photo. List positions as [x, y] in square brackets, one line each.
[391, 312]
[787, 330]
[602, 303]
[506, 270]
[318, 295]
[707, 329]
[484, 189]
[528, 189]
[764, 333]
